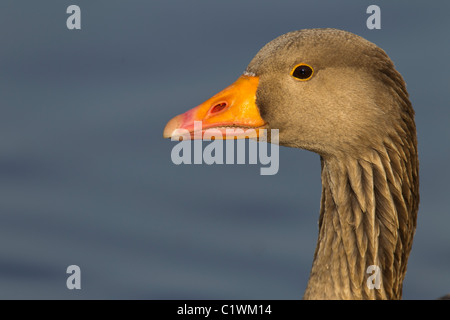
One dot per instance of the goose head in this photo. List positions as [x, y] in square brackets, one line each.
[334, 93]
[325, 90]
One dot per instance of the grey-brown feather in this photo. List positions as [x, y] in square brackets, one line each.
[356, 114]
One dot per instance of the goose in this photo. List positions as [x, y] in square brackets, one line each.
[336, 94]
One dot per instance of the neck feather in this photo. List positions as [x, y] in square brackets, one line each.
[368, 217]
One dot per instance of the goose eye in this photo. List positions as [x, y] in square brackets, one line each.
[302, 72]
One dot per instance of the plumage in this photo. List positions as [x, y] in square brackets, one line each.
[358, 117]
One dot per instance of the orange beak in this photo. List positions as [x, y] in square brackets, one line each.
[231, 109]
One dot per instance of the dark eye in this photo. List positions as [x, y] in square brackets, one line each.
[302, 72]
